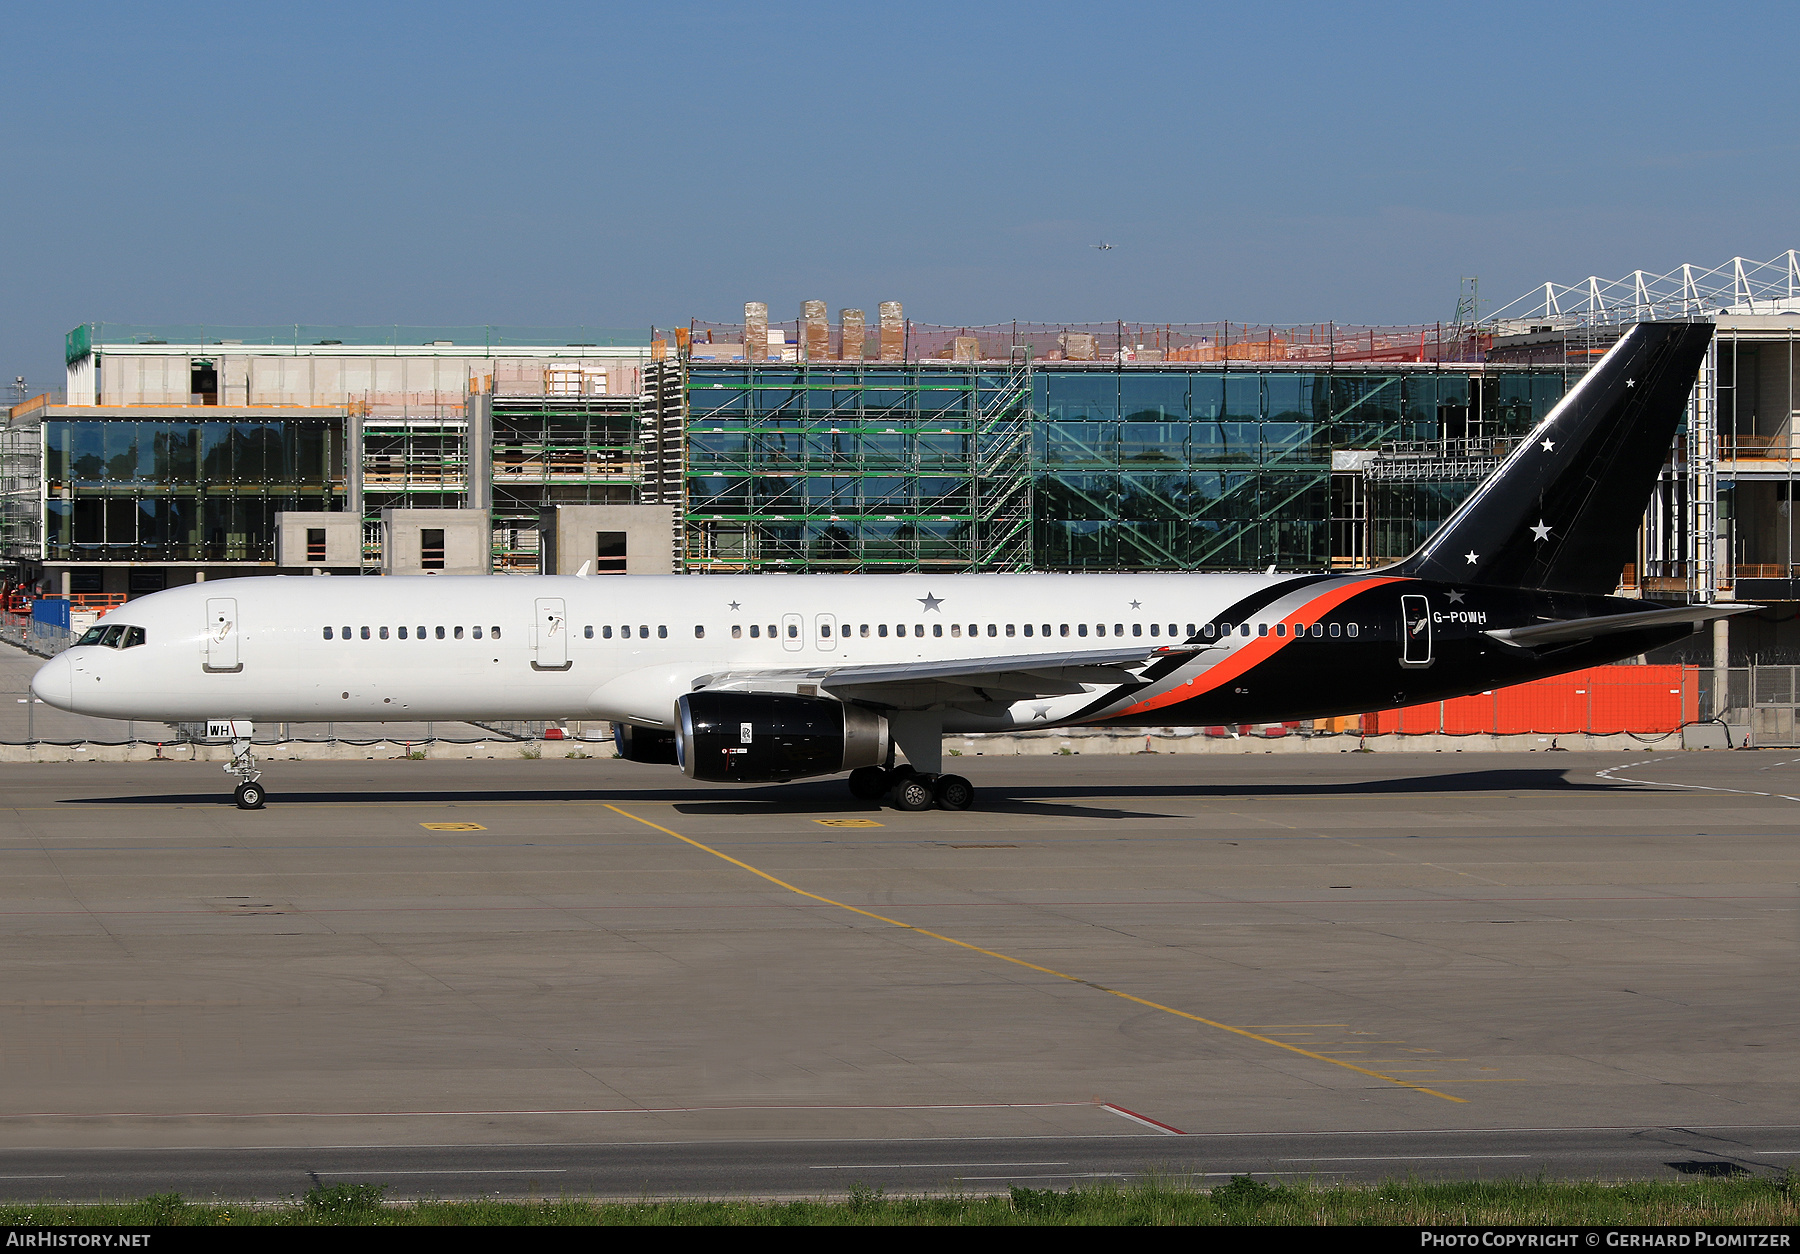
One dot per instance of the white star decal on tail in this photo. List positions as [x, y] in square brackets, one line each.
[1549, 446]
[1470, 558]
[1540, 532]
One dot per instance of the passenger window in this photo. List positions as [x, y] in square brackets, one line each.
[440, 633]
[346, 633]
[955, 629]
[662, 632]
[402, 632]
[699, 632]
[737, 632]
[421, 633]
[587, 633]
[477, 632]
[918, 629]
[134, 636]
[824, 629]
[1081, 629]
[91, 630]
[881, 630]
[1243, 629]
[755, 631]
[1118, 629]
[1172, 629]
[1318, 629]
[937, 629]
[457, 632]
[793, 630]
[1045, 630]
[1009, 630]
[1262, 629]
[605, 631]
[1027, 629]
[1281, 629]
[1065, 629]
[494, 632]
[1350, 630]
[865, 629]
[1334, 629]
[383, 633]
[1209, 632]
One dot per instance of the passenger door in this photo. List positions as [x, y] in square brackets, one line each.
[550, 636]
[222, 632]
[1415, 632]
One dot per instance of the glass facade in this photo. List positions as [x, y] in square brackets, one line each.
[182, 491]
[1137, 468]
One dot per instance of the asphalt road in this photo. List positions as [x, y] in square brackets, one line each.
[589, 977]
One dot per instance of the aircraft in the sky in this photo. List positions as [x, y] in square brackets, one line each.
[1102, 245]
[757, 678]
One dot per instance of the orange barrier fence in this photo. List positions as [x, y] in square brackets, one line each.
[1603, 701]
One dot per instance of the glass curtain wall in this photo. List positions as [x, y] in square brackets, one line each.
[181, 491]
[1129, 469]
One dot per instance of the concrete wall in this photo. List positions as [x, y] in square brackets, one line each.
[343, 539]
[570, 537]
[468, 541]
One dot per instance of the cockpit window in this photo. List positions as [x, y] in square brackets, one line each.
[113, 636]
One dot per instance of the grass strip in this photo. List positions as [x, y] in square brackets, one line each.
[1723, 1202]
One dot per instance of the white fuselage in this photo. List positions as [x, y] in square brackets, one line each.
[622, 648]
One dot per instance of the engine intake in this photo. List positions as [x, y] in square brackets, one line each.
[758, 737]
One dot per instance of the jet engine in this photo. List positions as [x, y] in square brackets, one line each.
[653, 745]
[758, 737]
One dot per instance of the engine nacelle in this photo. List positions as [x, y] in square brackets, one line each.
[759, 737]
[653, 745]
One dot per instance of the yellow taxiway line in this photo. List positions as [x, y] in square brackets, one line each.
[1032, 966]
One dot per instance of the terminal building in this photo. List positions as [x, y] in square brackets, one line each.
[184, 453]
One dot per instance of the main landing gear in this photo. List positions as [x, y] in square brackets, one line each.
[249, 794]
[906, 789]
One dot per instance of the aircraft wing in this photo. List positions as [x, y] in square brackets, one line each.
[1015, 677]
[1569, 630]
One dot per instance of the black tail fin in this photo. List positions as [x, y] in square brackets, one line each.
[1563, 510]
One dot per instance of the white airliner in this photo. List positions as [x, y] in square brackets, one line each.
[761, 678]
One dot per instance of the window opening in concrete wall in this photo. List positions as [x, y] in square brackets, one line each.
[315, 544]
[431, 548]
[609, 550]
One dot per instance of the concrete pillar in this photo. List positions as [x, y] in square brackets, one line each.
[353, 464]
[893, 331]
[815, 331]
[1721, 684]
[480, 436]
[756, 330]
[850, 334]
[68, 583]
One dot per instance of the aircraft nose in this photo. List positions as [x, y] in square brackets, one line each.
[54, 682]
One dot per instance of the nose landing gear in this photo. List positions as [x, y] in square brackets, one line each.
[249, 794]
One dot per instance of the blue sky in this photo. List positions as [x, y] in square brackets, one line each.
[549, 164]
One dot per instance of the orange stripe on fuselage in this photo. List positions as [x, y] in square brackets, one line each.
[1258, 650]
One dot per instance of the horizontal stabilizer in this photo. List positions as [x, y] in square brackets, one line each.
[1566, 630]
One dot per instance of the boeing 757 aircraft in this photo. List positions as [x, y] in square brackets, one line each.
[751, 678]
